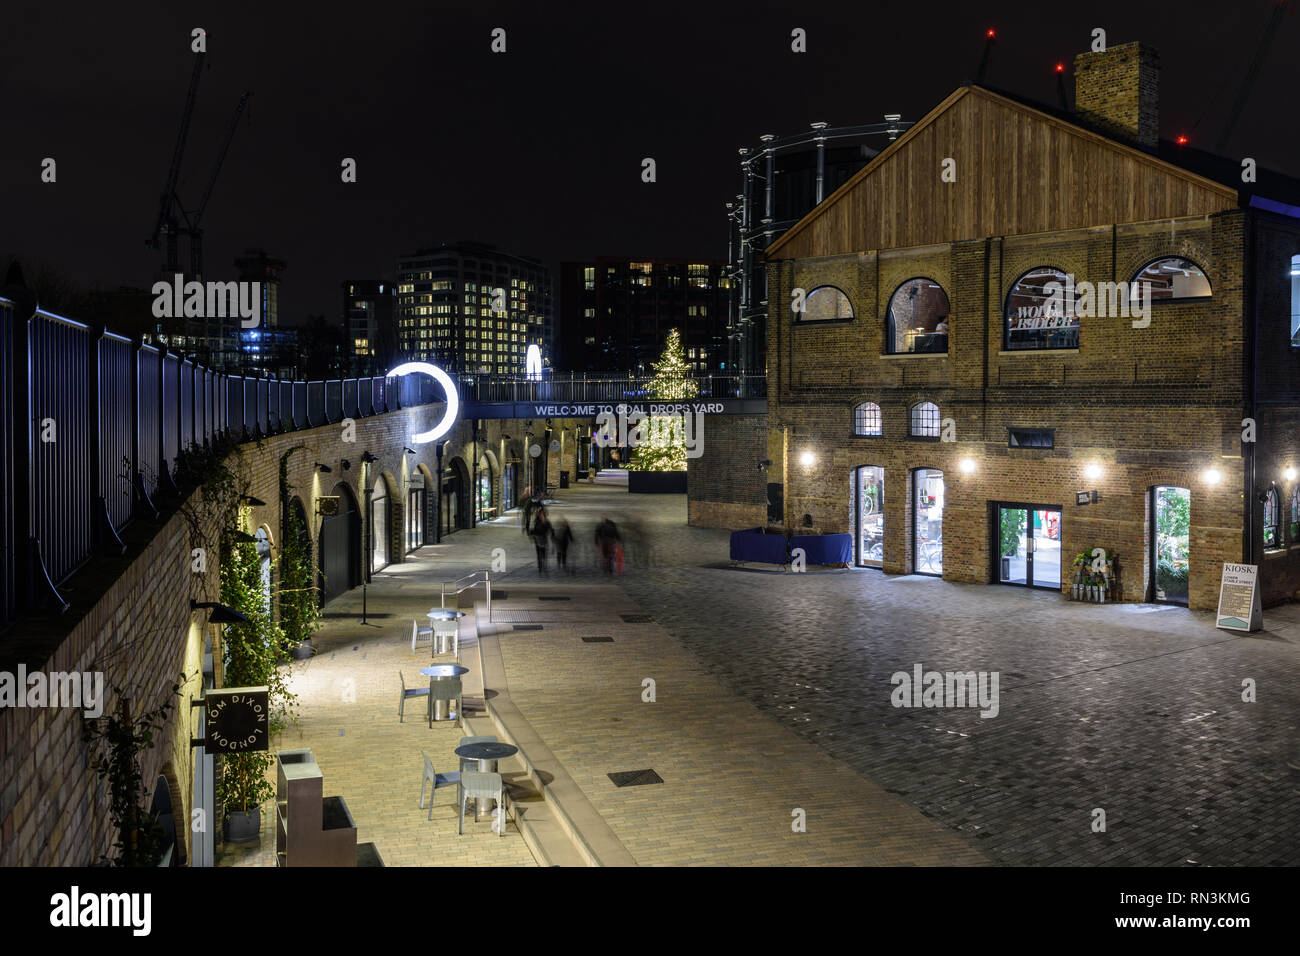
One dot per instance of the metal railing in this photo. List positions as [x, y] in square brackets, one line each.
[93, 425]
[486, 582]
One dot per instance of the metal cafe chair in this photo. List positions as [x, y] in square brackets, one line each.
[446, 688]
[437, 779]
[408, 692]
[478, 786]
[469, 763]
[418, 632]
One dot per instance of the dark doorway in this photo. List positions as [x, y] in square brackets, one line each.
[340, 546]
[1027, 544]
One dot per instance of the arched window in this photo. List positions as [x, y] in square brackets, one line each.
[826, 304]
[866, 419]
[917, 320]
[1272, 518]
[1039, 314]
[1295, 300]
[1173, 278]
[925, 420]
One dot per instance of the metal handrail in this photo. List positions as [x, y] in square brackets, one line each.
[487, 582]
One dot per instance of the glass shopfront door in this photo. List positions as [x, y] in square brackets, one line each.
[1027, 540]
[927, 543]
[869, 515]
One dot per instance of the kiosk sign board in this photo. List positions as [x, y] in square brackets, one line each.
[1239, 606]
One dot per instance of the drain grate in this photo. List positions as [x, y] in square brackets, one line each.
[635, 778]
[555, 597]
[598, 640]
[527, 627]
[637, 618]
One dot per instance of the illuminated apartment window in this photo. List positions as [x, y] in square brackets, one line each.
[697, 275]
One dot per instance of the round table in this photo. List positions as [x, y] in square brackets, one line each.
[442, 708]
[445, 614]
[487, 754]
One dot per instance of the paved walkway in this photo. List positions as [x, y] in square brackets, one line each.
[773, 693]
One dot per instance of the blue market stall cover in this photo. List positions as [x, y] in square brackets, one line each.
[824, 548]
[752, 545]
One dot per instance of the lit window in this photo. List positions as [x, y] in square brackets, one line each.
[1272, 519]
[1174, 278]
[826, 304]
[866, 419]
[1295, 300]
[1038, 316]
[917, 320]
[925, 420]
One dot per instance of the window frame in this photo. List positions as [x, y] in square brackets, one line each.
[911, 422]
[1006, 314]
[799, 317]
[1049, 432]
[891, 337]
[1272, 496]
[1190, 298]
[880, 421]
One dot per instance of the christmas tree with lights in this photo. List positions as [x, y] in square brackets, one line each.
[662, 439]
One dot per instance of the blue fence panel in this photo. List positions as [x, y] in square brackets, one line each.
[202, 420]
[300, 416]
[60, 496]
[250, 407]
[333, 400]
[235, 405]
[350, 409]
[379, 394]
[263, 405]
[284, 411]
[315, 404]
[115, 426]
[187, 404]
[149, 427]
[171, 372]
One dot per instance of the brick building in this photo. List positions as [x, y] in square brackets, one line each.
[938, 398]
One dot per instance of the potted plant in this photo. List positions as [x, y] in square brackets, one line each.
[1009, 534]
[251, 652]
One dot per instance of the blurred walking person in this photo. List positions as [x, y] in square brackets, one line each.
[541, 533]
[563, 537]
[610, 545]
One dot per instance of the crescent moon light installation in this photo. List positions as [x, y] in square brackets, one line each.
[448, 386]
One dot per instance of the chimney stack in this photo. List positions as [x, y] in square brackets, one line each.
[1118, 91]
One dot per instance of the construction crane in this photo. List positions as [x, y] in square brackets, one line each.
[168, 204]
[173, 220]
[1252, 72]
[193, 223]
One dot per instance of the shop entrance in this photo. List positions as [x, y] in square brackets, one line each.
[868, 505]
[927, 523]
[1170, 529]
[1027, 540]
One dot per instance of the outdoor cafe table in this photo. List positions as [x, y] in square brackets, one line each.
[487, 754]
[442, 708]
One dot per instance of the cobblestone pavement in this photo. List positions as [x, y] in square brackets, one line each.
[1133, 709]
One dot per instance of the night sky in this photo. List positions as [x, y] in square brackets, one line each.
[537, 150]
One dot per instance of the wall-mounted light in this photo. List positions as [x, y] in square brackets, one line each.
[325, 468]
[967, 466]
[1290, 474]
[252, 502]
[220, 613]
[807, 459]
[368, 458]
[1092, 471]
[409, 451]
[346, 464]
[1211, 476]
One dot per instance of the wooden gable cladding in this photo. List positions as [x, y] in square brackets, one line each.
[1018, 172]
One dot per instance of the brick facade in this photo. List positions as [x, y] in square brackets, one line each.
[144, 636]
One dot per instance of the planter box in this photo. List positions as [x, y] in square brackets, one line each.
[656, 482]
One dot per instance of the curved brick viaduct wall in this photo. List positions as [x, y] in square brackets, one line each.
[140, 631]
